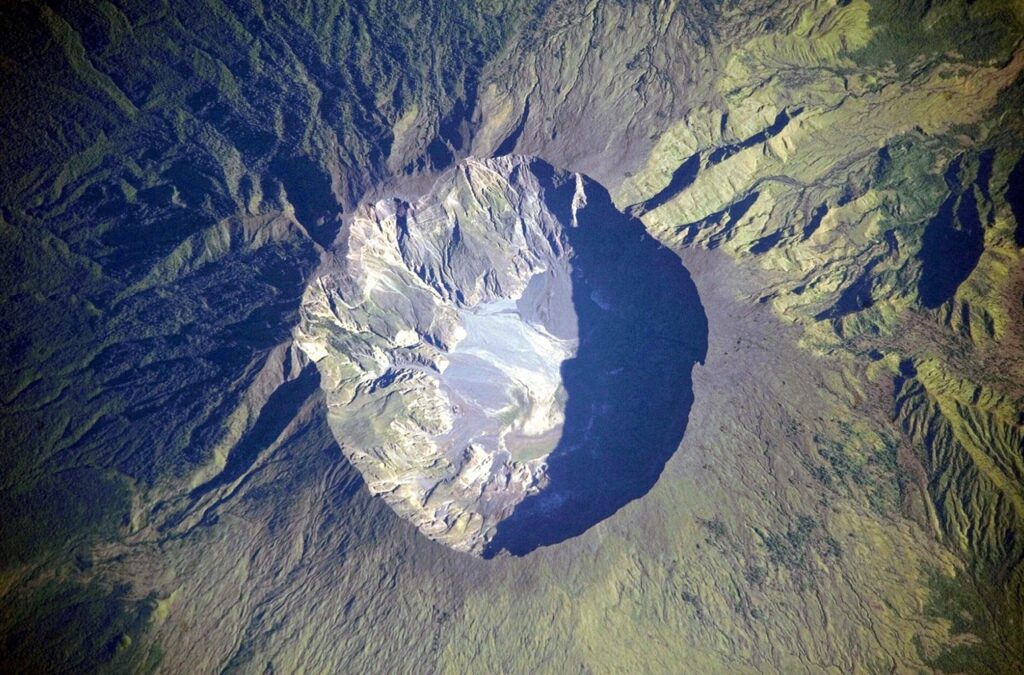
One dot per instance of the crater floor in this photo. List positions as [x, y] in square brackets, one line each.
[506, 360]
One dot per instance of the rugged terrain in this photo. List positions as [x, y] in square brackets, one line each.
[843, 180]
[507, 345]
[439, 339]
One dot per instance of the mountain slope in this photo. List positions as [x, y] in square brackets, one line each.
[842, 180]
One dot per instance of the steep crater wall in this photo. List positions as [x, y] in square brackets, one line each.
[506, 360]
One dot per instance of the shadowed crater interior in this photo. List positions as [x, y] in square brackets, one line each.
[507, 360]
[629, 388]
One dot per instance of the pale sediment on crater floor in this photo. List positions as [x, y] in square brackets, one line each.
[509, 344]
[439, 338]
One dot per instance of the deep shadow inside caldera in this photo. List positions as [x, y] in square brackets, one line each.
[642, 328]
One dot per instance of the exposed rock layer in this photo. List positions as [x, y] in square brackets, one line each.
[465, 337]
[439, 341]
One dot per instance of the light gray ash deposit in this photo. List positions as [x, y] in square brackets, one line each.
[507, 344]
[439, 336]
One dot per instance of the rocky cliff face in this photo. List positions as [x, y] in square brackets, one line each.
[472, 337]
[439, 339]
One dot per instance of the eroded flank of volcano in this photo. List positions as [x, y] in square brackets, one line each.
[506, 360]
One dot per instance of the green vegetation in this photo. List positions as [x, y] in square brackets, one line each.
[877, 475]
[793, 549]
[173, 173]
[977, 617]
[904, 32]
[60, 514]
[106, 634]
[131, 135]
